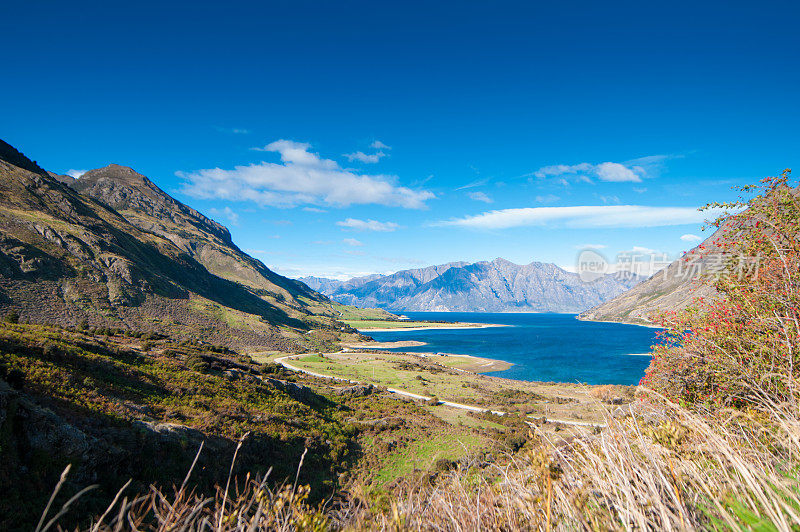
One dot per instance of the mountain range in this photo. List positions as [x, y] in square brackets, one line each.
[496, 286]
[112, 249]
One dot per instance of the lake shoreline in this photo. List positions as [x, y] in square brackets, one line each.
[447, 327]
[542, 347]
[474, 364]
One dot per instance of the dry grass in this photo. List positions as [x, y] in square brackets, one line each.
[660, 468]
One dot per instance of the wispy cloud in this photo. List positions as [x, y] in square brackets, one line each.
[226, 213]
[365, 157]
[585, 216]
[591, 246]
[562, 169]
[370, 158]
[233, 130]
[547, 198]
[367, 225]
[616, 172]
[300, 177]
[474, 184]
[632, 171]
[608, 200]
[352, 242]
[480, 196]
[691, 238]
[313, 209]
[76, 173]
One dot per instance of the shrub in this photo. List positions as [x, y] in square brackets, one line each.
[516, 441]
[444, 464]
[12, 317]
[196, 363]
[14, 377]
[713, 353]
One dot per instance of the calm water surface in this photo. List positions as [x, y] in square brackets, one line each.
[542, 347]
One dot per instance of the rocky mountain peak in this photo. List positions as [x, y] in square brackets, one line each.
[126, 190]
[119, 174]
[500, 262]
[488, 286]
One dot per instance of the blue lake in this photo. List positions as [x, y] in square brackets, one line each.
[542, 347]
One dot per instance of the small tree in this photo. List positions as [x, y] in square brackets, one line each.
[745, 343]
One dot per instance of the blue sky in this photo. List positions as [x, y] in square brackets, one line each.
[346, 138]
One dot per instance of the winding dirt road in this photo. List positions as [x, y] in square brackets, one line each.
[403, 393]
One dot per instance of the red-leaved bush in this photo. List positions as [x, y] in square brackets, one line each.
[745, 342]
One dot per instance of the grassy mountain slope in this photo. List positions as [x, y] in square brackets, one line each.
[673, 288]
[148, 207]
[119, 406]
[66, 257]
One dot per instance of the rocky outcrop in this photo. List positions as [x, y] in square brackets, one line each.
[357, 390]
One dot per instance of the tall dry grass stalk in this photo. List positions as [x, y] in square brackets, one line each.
[661, 467]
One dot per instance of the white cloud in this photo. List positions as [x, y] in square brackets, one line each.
[296, 271]
[352, 242]
[480, 196]
[608, 199]
[234, 130]
[584, 216]
[301, 177]
[364, 157]
[227, 213]
[632, 171]
[691, 238]
[76, 173]
[547, 198]
[367, 225]
[562, 169]
[591, 246]
[313, 209]
[378, 145]
[616, 173]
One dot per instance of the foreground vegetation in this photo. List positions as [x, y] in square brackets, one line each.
[712, 443]
[121, 405]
